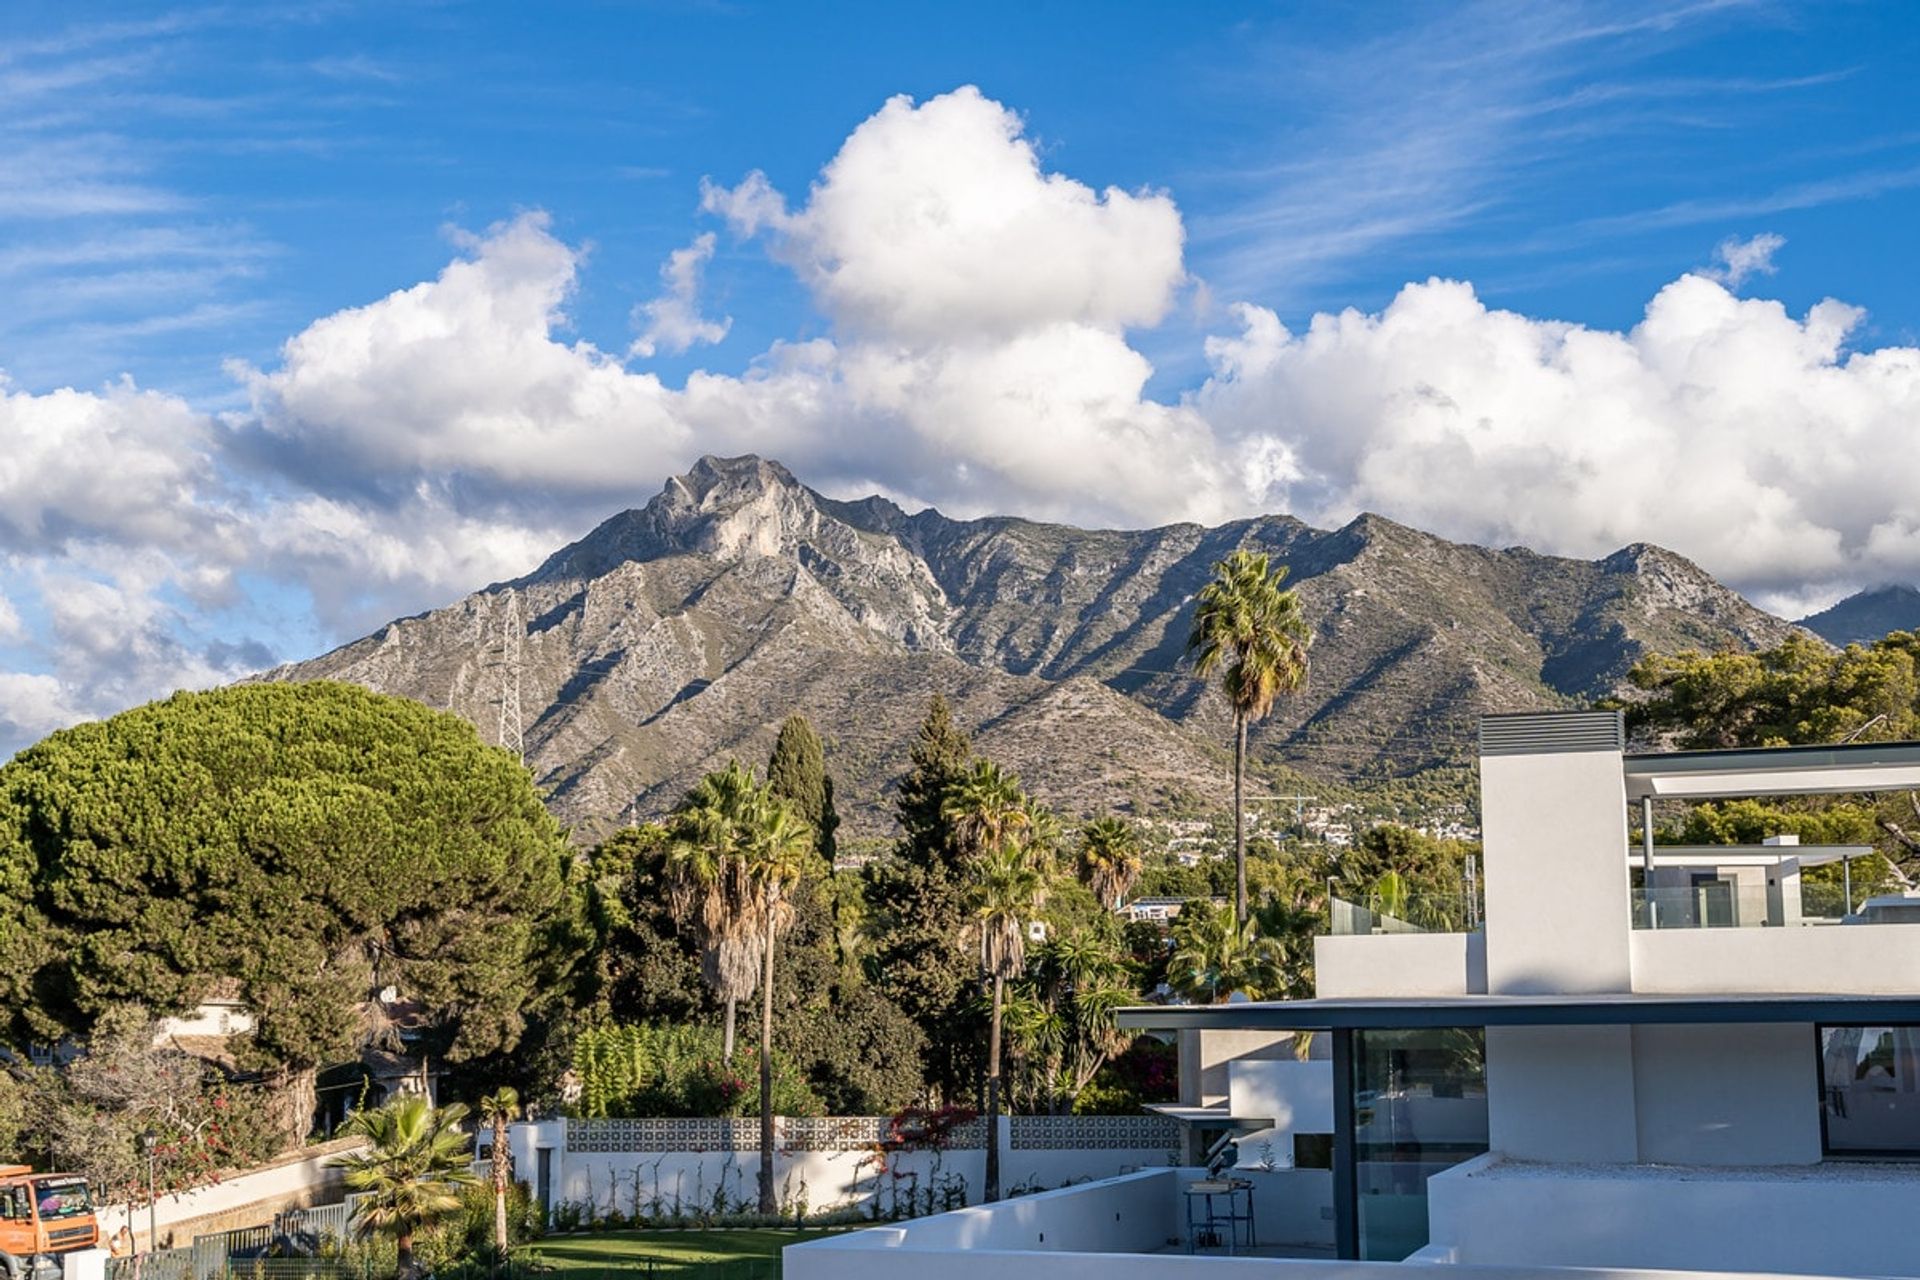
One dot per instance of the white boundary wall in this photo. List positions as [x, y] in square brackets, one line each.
[675, 1167]
[246, 1199]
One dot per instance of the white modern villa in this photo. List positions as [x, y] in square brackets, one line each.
[1635, 1059]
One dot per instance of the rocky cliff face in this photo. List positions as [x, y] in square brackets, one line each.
[681, 633]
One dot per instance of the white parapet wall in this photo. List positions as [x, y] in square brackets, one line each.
[1862, 959]
[1400, 964]
[1126, 1228]
[1833, 1219]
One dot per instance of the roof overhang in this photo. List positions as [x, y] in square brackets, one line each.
[1521, 1011]
[1774, 771]
[1749, 855]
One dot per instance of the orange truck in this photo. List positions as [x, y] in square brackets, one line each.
[42, 1215]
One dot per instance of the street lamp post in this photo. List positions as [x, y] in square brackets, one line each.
[148, 1141]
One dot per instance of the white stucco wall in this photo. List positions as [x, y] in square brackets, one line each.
[1863, 959]
[1554, 826]
[1204, 1056]
[1727, 1095]
[1561, 1093]
[1831, 1220]
[1297, 1097]
[1400, 964]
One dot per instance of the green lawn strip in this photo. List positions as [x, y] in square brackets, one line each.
[617, 1249]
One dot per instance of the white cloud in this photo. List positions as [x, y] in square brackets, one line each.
[121, 466]
[460, 381]
[672, 322]
[936, 222]
[1746, 438]
[10, 628]
[1736, 259]
[32, 705]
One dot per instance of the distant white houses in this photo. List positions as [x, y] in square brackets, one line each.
[1156, 910]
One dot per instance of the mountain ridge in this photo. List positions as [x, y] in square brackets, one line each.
[676, 634]
[1866, 616]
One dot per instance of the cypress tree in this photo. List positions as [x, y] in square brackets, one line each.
[918, 905]
[797, 773]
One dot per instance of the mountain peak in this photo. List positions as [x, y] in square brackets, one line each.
[714, 477]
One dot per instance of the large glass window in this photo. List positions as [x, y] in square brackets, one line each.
[1870, 1090]
[1420, 1106]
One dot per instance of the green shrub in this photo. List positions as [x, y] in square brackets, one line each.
[677, 1071]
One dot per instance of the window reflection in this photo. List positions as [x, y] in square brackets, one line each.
[1420, 1106]
[1870, 1090]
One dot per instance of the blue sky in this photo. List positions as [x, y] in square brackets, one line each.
[183, 191]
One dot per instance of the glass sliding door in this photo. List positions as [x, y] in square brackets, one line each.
[1419, 1106]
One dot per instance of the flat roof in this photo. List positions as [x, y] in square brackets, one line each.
[1600, 1009]
[1748, 855]
[1773, 771]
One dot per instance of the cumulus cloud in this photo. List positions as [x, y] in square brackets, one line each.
[32, 705]
[119, 466]
[672, 322]
[935, 222]
[1749, 439]
[1736, 259]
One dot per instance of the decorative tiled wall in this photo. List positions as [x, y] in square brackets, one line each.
[663, 1135]
[833, 1133]
[1107, 1133]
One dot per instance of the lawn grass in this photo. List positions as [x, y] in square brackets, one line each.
[630, 1251]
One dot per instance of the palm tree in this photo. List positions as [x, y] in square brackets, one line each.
[500, 1109]
[1215, 955]
[1250, 629]
[708, 884]
[412, 1174]
[986, 807]
[1110, 859]
[779, 850]
[1008, 887]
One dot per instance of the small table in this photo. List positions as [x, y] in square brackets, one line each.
[1213, 1203]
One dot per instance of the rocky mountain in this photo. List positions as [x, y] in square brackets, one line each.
[680, 633]
[1867, 616]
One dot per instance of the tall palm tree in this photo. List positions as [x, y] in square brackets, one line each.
[779, 849]
[1110, 859]
[709, 887]
[987, 807]
[413, 1171]
[1251, 630]
[1008, 886]
[1215, 955]
[500, 1109]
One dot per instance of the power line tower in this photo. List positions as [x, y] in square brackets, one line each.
[512, 732]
